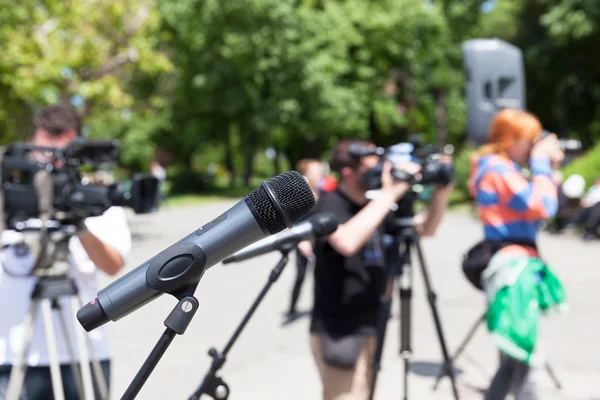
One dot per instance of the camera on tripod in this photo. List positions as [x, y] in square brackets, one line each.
[73, 195]
[45, 192]
[568, 146]
[433, 169]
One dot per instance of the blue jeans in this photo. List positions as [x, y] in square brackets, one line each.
[38, 383]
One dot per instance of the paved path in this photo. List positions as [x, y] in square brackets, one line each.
[271, 361]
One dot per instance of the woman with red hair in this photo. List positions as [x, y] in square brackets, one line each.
[512, 210]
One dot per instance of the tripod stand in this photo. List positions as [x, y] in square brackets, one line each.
[213, 385]
[405, 237]
[46, 295]
[466, 341]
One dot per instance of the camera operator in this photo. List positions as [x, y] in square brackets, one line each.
[101, 243]
[350, 271]
[516, 283]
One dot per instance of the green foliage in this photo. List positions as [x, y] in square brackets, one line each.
[587, 166]
[216, 82]
[462, 170]
[89, 53]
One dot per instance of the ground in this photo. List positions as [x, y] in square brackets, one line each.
[273, 361]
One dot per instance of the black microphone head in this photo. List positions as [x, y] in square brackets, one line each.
[282, 201]
[323, 224]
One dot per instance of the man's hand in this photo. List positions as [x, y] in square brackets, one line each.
[547, 148]
[306, 249]
[439, 203]
[394, 187]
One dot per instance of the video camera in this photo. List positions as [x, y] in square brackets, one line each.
[73, 195]
[433, 171]
[46, 195]
[568, 146]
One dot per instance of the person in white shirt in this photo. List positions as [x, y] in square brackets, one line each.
[103, 243]
[590, 216]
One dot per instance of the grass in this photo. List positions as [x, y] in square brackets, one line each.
[458, 200]
[206, 197]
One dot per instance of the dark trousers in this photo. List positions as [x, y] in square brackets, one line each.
[513, 377]
[590, 218]
[301, 267]
[38, 382]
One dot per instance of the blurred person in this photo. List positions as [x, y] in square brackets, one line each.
[159, 173]
[328, 184]
[350, 272]
[589, 216]
[102, 243]
[312, 170]
[517, 284]
[570, 193]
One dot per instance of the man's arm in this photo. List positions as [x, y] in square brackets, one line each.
[105, 257]
[106, 242]
[439, 203]
[352, 236]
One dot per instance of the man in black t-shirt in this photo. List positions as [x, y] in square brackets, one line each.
[351, 271]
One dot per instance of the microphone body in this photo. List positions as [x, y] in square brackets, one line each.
[183, 263]
[132, 291]
[316, 227]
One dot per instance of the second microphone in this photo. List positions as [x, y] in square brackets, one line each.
[315, 227]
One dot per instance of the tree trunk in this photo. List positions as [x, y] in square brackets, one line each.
[292, 159]
[441, 118]
[249, 167]
[187, 160]
[276, 164]
[229, 163]
[280, 167]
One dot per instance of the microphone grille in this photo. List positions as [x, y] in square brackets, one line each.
[293, 195]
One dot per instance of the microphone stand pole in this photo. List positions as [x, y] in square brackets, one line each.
[176, 323]
[213, 385]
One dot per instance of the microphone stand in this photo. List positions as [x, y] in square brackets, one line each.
[176, 323]
[213, 385]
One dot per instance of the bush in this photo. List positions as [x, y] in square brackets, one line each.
[587, 166]
[462, 171]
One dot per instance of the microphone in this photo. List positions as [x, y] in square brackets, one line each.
[315, 227]
[276, 204]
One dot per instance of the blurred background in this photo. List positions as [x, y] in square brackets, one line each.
[223, 94]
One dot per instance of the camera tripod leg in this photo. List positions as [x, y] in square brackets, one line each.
[461, 348]
[405, 322]
[83, 344]
[553, 376]
[17, 372]
[386, 305]
[431, 297]
[57, 386]
[77, 378]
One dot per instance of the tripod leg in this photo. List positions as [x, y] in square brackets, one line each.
[405, 322]
[386, 305]
[83, 343]
[461, 348]
[553, 376]
[431, 297]
[57, 386]
[74, 369]
[17, 373]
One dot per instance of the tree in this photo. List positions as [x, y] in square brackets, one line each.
[86, 53]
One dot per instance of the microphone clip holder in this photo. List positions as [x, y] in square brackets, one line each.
[176, 324]
[213, 385]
